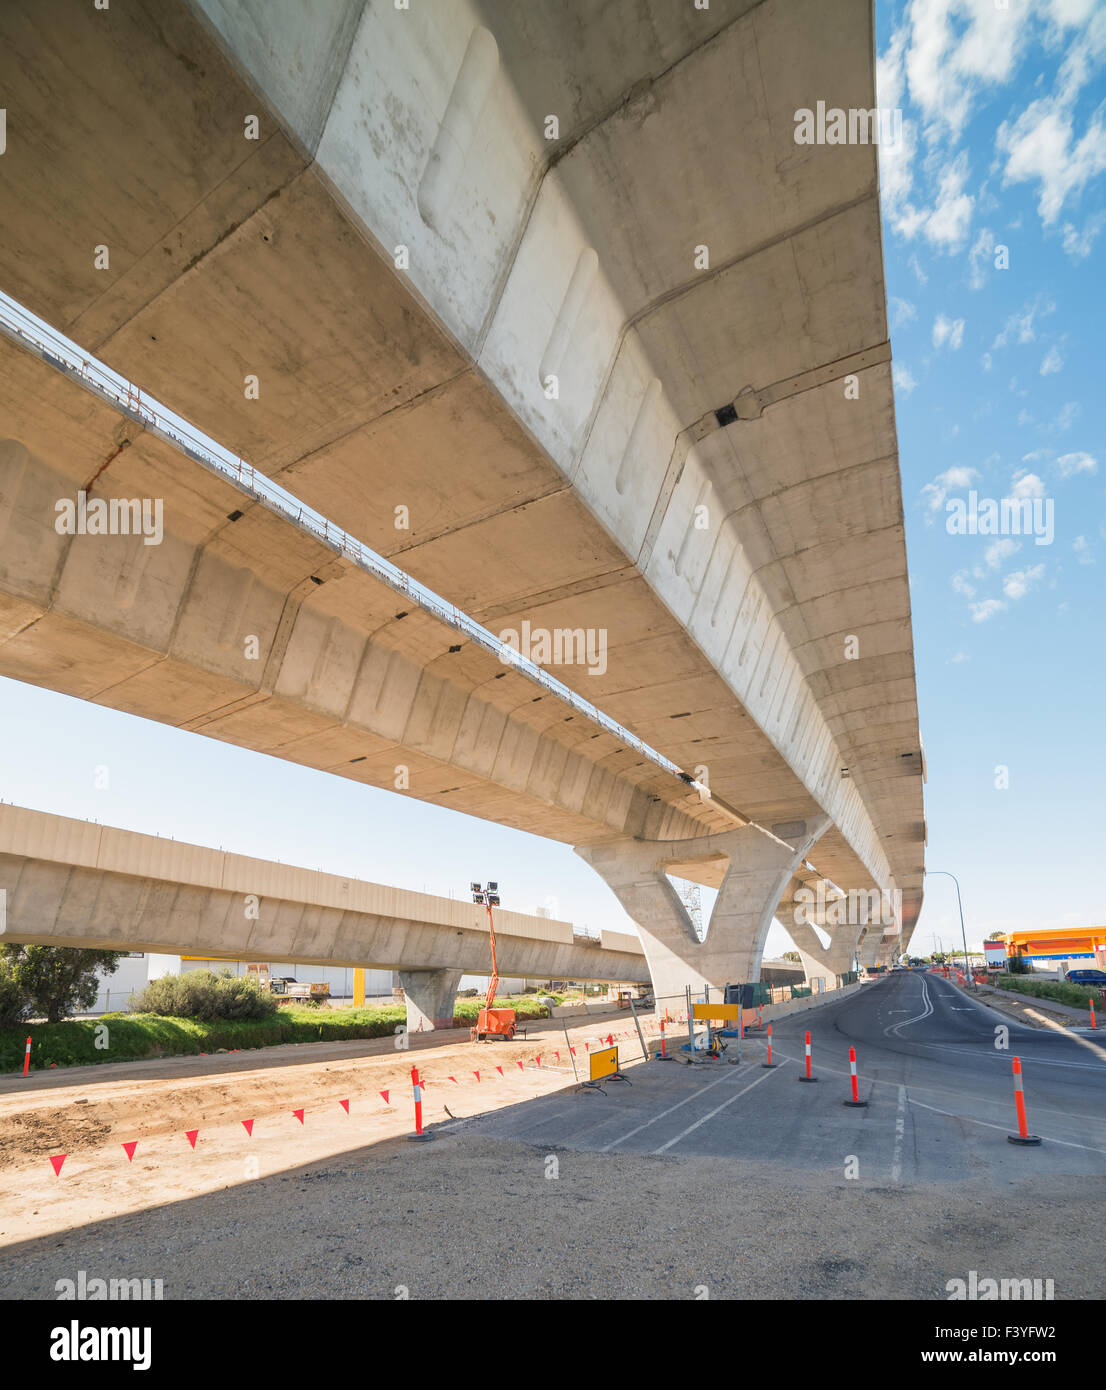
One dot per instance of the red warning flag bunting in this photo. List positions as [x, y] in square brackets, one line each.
[299, 1115]
[454, 1079]
[129, 1149]
[499, 1070]
[248, 1126]
[385, 1095]
[557, 1055]
[345, 1105]
[477, 1075]
[538, 1059]
[191, 1135]
[521, 1067]
[57, 1160]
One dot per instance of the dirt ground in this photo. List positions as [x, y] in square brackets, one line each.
[89, 1113]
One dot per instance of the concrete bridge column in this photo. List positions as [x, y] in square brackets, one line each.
[834, 959]
[759, 868]
[430, 996]
[868, 948]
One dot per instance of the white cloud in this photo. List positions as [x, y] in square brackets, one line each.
[1070, 464]
[986, 608]
[1025, 484]
[1084, 551]
[998, 551]
[980, 258]
[957, 658]
[961, 585]
[1078, 244]
[902, 311]
[903, 379]
[1053, 361]
[948, 225]
[1018, 583]
[986, 360]
[954, 477]
[1023, 323]
[1069, 12]
[1041, 146]
[949, 331]
[1067, 415]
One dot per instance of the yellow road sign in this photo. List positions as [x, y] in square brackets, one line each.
[729, 1012]
[603, 1063]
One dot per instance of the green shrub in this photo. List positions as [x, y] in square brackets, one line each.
[203, 995]
[1079, 996]
[14, 1004]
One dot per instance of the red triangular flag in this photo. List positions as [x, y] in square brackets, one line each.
[454, 1079]
[610, 1039]
[249, 1127]
[477, 1075]
[345, 1105]
[573, 1050]
[299, 1115]
[129, 1149]
[538, 1059]
[57, 1160]
[499, 1070]
[521, 1067]
[385, 1095]
[190, 1135]
[557, 1055]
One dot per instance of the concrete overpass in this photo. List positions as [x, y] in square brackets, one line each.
[75, 883]
[626, 373]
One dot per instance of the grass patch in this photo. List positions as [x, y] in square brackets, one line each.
[134, 1037]
[1079, 996]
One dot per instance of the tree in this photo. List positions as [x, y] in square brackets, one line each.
[55, 981]
[995, 936]
[792, 955]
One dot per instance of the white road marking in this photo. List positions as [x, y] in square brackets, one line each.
[900, 1135]
[1067, 1143]
[691, 1128]
[686, 1100]
[894, 1027]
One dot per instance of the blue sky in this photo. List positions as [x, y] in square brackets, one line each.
[998, 389]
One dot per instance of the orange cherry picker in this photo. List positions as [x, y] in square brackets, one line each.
[492, 1023]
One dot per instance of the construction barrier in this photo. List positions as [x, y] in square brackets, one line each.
[807, 1076]
[1023, 1135]
[419, 1133]
[856, 1101]
[769, 1062]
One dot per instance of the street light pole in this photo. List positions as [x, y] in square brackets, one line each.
[963, 935]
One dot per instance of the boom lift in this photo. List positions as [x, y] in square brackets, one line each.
[492, 1023]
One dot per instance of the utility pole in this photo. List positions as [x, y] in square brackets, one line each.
[963, 935]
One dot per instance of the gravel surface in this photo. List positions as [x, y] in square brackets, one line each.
[472, 1218]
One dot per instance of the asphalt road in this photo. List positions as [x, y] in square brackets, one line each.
[935, 1067]
[734, 1180]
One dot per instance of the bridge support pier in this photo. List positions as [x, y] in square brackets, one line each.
[834, 959]
[759, 868]
[868, 948]
[430, 996]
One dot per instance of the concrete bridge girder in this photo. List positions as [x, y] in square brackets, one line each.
[495, 265]
[760, 865]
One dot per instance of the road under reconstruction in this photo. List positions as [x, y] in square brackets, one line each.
[689, 1182]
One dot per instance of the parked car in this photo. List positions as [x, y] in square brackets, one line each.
[1087, 977]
